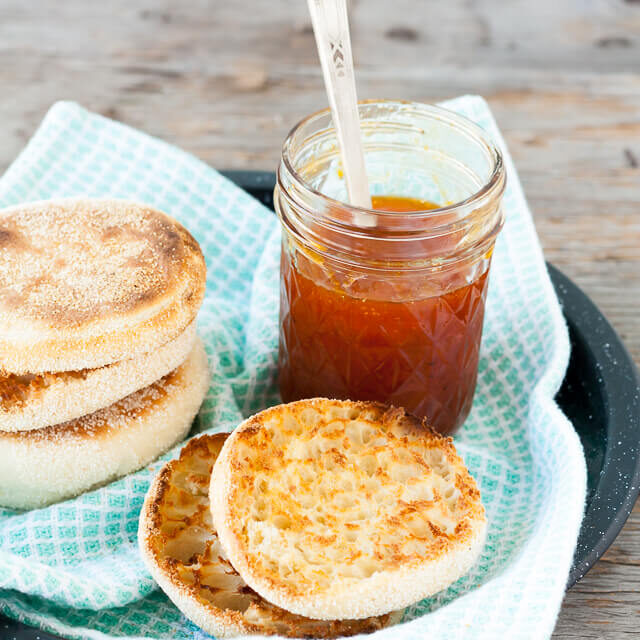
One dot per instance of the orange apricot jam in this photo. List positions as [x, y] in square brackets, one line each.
[342, 342]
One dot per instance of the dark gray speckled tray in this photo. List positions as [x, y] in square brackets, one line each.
[600, 395]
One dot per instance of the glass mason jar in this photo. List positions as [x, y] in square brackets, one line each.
[381, 305]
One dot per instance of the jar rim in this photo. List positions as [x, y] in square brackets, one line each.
[492, 183]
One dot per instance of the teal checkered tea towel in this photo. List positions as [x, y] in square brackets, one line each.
[74, 568]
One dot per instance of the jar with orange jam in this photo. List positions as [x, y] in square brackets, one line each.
[387, 303]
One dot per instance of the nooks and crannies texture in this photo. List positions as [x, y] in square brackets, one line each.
[183, 553]
[338, 509]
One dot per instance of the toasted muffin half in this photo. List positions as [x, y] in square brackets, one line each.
[335, 509]
[46, 465]
[89, 282]
[181, 549]
[40, 400]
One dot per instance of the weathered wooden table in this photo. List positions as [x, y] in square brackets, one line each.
[226, 80]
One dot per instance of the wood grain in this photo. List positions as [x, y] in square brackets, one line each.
[226, 80]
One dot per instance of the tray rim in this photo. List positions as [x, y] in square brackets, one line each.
[623, 431]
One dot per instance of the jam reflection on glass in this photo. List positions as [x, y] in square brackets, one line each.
[420, 354]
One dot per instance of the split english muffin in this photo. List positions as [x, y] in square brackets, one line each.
[181, 549]
[42, 466]
[344, 510]
[34, 401]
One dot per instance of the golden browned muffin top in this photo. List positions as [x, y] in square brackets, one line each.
[183, 553]
[79, 276]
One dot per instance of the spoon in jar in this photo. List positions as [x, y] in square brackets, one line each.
[331, 28]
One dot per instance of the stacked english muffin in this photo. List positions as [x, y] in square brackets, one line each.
[100, 367]
[318, 518]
